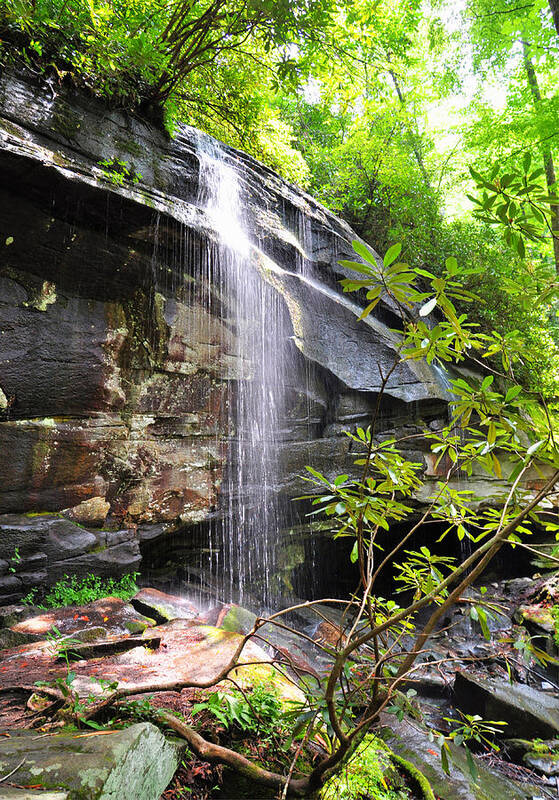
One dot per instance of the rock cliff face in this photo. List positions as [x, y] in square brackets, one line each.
[117, 349]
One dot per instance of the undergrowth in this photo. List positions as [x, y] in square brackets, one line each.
[75, 590]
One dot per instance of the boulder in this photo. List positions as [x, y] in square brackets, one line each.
[163, 607]
[109, 614]
[137, 762]
[407, 740]
[527, 712]
[89, 512]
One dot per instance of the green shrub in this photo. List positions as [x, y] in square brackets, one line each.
[75, 590]
[259, 711]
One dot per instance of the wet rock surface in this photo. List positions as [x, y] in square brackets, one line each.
[110, 613]
[120, 419]
[408, 740]
[163, 607]
[527, 711]
[102, 641]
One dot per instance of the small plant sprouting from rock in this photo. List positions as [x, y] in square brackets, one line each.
[470, 728]
[118, 172]
[14, 560]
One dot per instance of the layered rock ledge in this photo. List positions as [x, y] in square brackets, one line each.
[116, 370]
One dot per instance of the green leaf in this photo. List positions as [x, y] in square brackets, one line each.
[93, 724]
[354, 555]
[426, 309]
[482, 617]
[513, 392]
[423, 272]
[516, 472]
[357, 267]
[364, 252]
[471, 764]
[444, 760]
[452, 265]
[392, 254]
[367, 311]
[534, 447]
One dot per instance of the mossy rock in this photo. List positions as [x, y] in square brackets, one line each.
[137, 762]
[411, 743]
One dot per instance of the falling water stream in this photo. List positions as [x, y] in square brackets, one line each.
[247, 556]
[249, 542]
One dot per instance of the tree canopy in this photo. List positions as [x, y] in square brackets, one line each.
[392, 113]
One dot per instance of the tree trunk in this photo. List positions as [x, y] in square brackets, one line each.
[554, 6]
[547, 155]
[413, 136]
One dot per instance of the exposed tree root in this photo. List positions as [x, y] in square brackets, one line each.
[215, 753]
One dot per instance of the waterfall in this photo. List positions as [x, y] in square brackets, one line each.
[247, 555]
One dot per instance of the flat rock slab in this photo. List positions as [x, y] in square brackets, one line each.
[110, 613]
[548, 763]
[409, 742]
[107, 647]
[11, 793]
[163, 607]
[137, 762]
[527, 712]
[193, 654]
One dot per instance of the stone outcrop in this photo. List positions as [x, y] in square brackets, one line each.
[407, 740]
[527, 711]
[117, 353]
[136, 762]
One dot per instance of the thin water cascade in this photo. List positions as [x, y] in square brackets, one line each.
[247, 555]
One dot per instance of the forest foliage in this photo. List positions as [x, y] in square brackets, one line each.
[390, 112]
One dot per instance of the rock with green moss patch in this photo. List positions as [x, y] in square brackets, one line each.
[547, 763]
[373, 770]
[408, 741]
[107, 616]
[137, 762]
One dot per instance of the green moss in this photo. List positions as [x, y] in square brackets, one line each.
[373, 770]
[555, 617]
[66, 122]
[136, 627]
[418, 779]
[32, 514]
[127, 145]
[98, 549]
